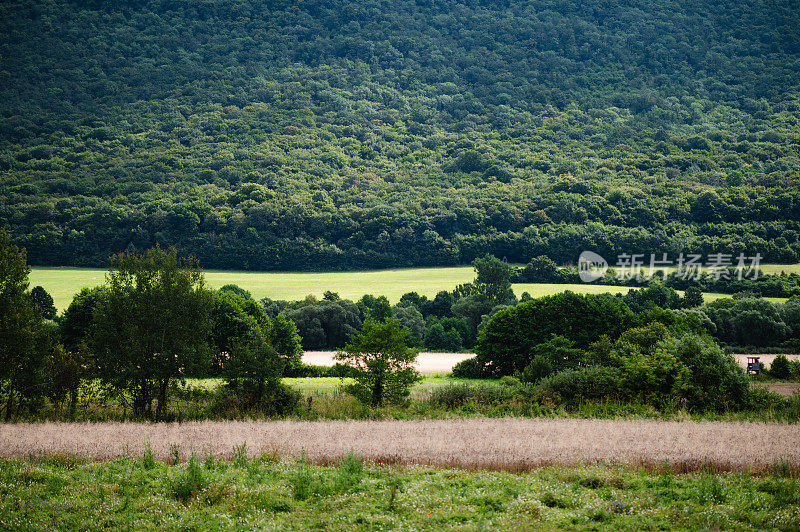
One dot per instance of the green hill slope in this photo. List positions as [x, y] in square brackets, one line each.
[342, 134]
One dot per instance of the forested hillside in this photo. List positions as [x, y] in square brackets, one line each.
[345, 134]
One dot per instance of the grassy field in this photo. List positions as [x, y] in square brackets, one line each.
[330, 385]
[268, 494]
[64, 283]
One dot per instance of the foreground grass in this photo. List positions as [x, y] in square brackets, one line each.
[264, 493]
[64, 283]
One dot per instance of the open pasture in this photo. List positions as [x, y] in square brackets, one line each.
[64, 283]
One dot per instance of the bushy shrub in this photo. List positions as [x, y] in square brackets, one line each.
[716, 382]
[468, 369]
[551, 356]
[186, 484]
[762, 399]
[506, 343]
[307, 371]
[453, 396]
[539, 368]
[780, 368]
[658, 379]
[573, 385]
[278, 400]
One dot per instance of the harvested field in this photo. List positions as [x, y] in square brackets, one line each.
[497, 444]
[765, 359]
[426, 362]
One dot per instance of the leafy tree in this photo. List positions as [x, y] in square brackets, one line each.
[493, 280]
[692, 298]
[284, 338]
[151, 325]
[76, 322]
[326, 324]
[43, 302]
[377, 307]
[23, 341]
[230, 322]
[715, 381]
[254, 368]
[441, 304]
[381, 361]
[541, 269]
[235, 289]
[748, 321]
[780, 367]
[411, 318]
[437, 338]
[556, 354]
[506, 343]
[66, 371]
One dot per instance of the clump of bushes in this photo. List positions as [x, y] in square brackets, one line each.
[470, 368]
[784, 369]
[278, 400]
[453, 396]
[591, 383]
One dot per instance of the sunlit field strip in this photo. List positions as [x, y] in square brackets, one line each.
[64, 283]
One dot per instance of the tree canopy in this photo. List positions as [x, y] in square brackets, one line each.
[352, 134]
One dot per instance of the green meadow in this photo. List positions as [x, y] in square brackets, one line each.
[268, 493]
[64, 283]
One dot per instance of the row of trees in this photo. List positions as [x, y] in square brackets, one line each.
[154, 322]
[574, 347]
[543, 269]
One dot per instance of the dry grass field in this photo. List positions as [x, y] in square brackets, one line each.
[496, 444]
[765, 359]
[427, 363]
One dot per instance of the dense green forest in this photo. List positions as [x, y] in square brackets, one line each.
[349, 134]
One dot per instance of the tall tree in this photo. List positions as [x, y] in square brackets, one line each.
[22, 337]
[151, 325]
[43, 302]
[381, 361]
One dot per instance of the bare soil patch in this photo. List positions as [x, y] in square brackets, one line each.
[786, 389]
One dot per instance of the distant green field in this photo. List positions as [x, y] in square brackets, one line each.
[329, 385]
[64, 283]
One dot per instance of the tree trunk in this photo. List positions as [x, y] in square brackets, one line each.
[73, 403]
[162, 398]
[259, 393]
[9, 403]
[377, 391]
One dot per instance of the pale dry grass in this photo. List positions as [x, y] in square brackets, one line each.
[427, 363]
[765, 359]
[504, 444]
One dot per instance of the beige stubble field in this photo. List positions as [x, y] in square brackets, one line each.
[500, 444]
